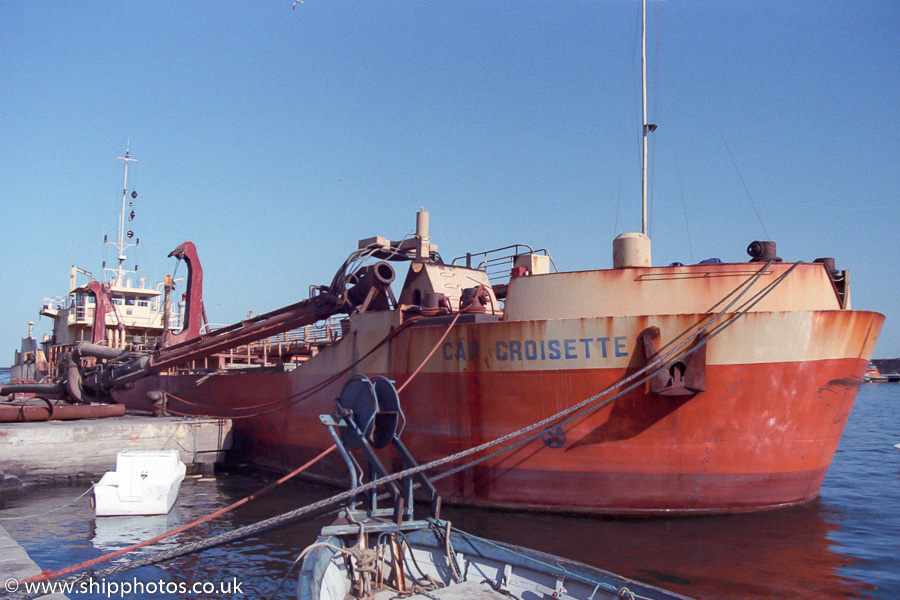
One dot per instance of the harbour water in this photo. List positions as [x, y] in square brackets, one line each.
[845, 544]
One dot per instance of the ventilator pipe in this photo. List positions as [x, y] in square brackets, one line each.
[762, 251]
[423, 242]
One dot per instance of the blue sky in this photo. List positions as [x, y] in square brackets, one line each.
[275, 138]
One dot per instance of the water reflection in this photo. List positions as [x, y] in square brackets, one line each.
[791, 553]
[784, 553]
[114, 533]
[257, 563]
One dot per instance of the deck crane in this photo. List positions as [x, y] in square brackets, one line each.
[111, 369]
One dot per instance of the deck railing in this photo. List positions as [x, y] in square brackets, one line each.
[498, 263]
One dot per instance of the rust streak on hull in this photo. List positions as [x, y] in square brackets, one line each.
[761, 436]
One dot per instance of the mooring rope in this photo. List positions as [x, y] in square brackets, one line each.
[654, 367]
[47, 574]
[661, 361]
[307, 393]
[85, 493]
[294, 398]
[430, 354]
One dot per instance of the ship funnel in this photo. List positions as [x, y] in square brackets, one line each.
[631, 250]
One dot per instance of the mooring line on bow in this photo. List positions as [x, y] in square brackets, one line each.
[574, 412]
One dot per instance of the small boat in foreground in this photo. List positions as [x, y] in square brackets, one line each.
[383, 553]
[430, 559]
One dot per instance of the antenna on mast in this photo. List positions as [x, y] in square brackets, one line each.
[121, 245]
[647, 127]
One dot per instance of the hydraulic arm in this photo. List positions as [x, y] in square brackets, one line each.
[113, 368]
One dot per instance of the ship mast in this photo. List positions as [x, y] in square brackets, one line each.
[633, 249]
[121, 245]
[647, 127]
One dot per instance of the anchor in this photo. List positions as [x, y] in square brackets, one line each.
[679, 378]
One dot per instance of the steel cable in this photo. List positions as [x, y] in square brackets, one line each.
[313, 509]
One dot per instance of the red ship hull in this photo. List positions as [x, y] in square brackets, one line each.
[760, 436]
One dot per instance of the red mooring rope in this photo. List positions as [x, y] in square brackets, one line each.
[47, 574]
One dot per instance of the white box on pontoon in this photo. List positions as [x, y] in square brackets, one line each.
[144, 483]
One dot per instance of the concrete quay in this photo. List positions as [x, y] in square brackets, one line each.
[49, 450]
[16, 565]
